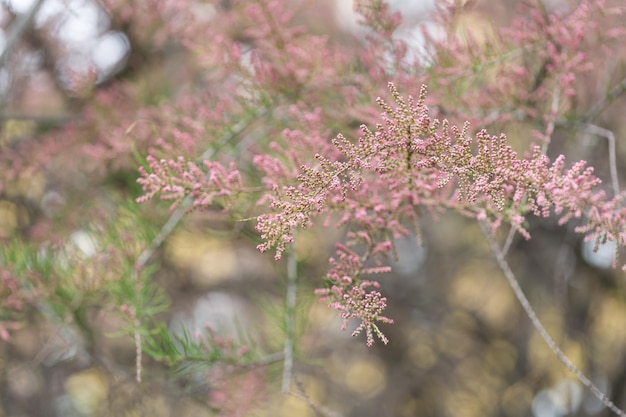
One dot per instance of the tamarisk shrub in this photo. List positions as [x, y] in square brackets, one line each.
[378, 184]
[281, 123]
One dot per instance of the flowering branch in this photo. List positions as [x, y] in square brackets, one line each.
[413, 160]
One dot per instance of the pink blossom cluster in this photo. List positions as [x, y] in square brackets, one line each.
[499, 73]
[176, 179]
[348, 294]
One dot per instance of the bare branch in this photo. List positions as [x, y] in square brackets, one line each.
[290, 308]
[55, 120]
[509, 241]
[610, 137]
[605, 102]
[317, 409]
[554, 109]
[530, 312]
[17, 30]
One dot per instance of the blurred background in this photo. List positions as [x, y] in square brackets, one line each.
[77, 75]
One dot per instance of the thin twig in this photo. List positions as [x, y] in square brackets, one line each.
[602, 104]
[18, 29]
[511, 55]
[290, 308]
[530, 312]
[266, 360]
[63, 331]
[138, 349]
[317, 409]
[165, 231]
[509, 241]
[54, 120]
[610, 137]
[554, 109]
